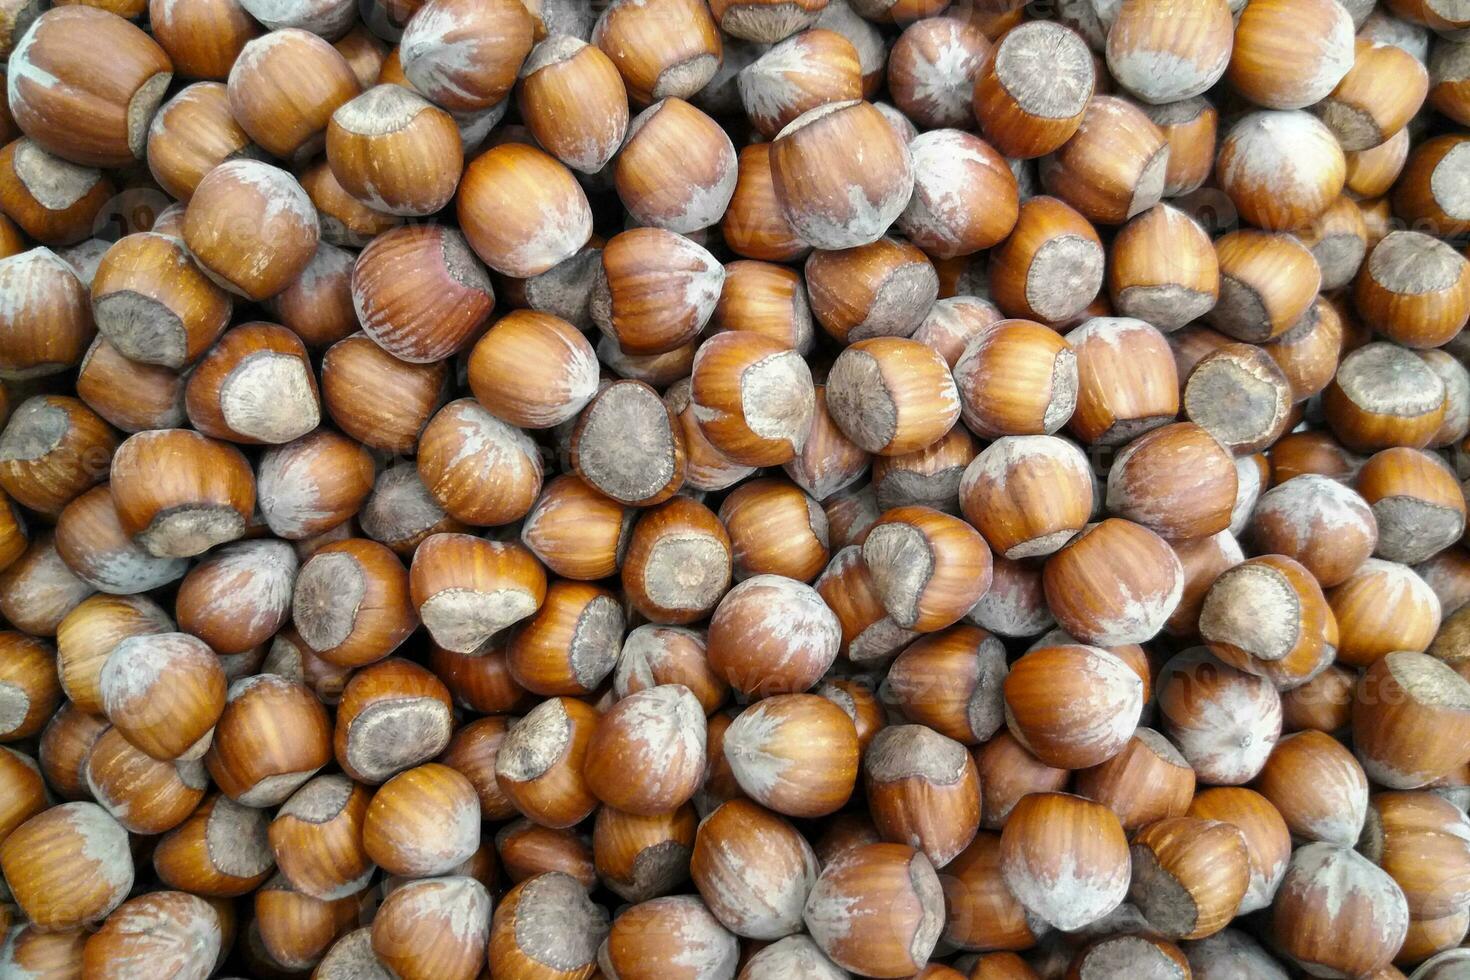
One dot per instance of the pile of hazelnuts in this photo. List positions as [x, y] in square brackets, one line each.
[714, 489]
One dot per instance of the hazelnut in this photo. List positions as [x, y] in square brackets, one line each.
[658, 937]
[659, 732]
[1318, 786]
[1126, 381]
[754, 226]
[293, 929]
[572, 98]
[284, 88]
[420, 293]
[394, 151]
[775, 529]
[1148, 781]
[828, 203]
[1192, 39]
[792, 956]
[881, 289]
[627, 445]
[575, 531]
[953, 322]
[796, 754]
[998, 496]
[546, 925]
[764, 21]
[1338, 240]
[1224, 721]
[802, 72]
[737, 838]
[1366, 926]
[29, 948]
[316, 838]
[1239, 395]
[271, 738]
[522, 211]
[434, 927]
[527, 850]
[1267, 282]
[922, 788]
[1112, 167]
[980, 910]
[1064, 858]
[869, 633]
[655, 290]
[1323, 703]
[130, 395]
[351, 603]
[143, 794]
[1116, 582]
[1267, 616]
[1405, 710]
[392, 715]
[174, 930]
[203, 40]
[221, 851]
[640, 857]
[676, 169]
[1373, 172]
[877, 910]
[67, 866]
[1163, 269]
[752, 397]
[239, 596]
[465, 451]
[59, 99]
[154, 305]
[1398, 83]
[1175, 480]
[55, 201]
[343, 219]
[663, 49]
[677, 563]
[1384, 396]
[466, 589]
[38, 591]
[765, 298]
[571, 644]
[1028, 113]
[1051, 266]
[465, 56]
[927, 567]
[251, 228]
[951, 682]
[540, 764]
[1267, 839]
[1273, 65]
[503, 375]
[1418, 508]
[164, 692]
[47, 327]
[1269, 191]
[355, 375]
[1189, 875]
[932, 70]
[425, 821]
[53, 449]
[1146, 954]
[1016, 378]
[1072, 706]
[1382, 607]
[1016, 601]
